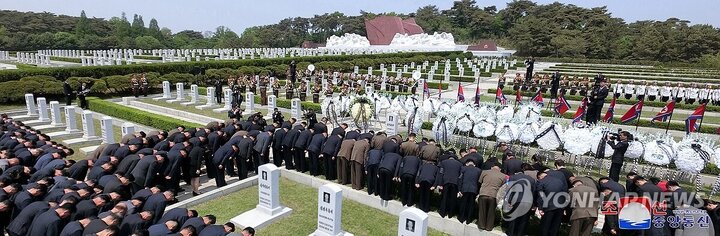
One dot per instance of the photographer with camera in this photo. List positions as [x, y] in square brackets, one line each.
[618, 142]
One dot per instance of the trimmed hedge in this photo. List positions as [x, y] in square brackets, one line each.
[284, 103]
[66, 59]
[135, 115]
[187, 67]
[148, 57]
[620, 100]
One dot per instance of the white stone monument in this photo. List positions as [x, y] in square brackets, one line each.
[268, 208]
[70, 119]
[227, 96]
[194, 96]
[295, 108]
[30, 104]
[271, 105]
[330, 211]
[88, 125]
[55, 118]
[166, 91]
[249, 103]
[413, 222]
[127, 128]
[391, 123]
[106, 130]
[210, 98]
[42, 110]
[180, 87]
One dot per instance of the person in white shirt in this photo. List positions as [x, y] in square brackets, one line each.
[640, 90]
[691, 94]
[716, 96]
[617, 88]
[629, 90]
[679, 92]
[666, 92]
[704, 94]
[652, 91]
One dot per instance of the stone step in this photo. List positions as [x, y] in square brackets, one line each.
[24, 117]
[65, 134]
[33, 123]
[84, 142]
[50, 128]
[87, 150]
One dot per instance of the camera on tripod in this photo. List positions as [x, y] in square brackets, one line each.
[614, 136]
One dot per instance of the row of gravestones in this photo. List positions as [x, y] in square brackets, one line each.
[4, 55]
[412, 221]
[295, 104]
[114, 53]
[39, 108]
[33, 58]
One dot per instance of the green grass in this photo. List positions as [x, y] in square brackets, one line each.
[192, 109]
[10, 107]
[357, 218]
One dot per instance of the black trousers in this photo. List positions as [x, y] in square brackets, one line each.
[517, 226]
[550, 222]
[298, 159]
[407, 185]
[288, 155]
[218, 97]
[385, 184]
[69, 98]
[229, 168]
[278, 156]
[449, 200]
[242, 167]
[425, 193]
[466, 209]
[615, 171]
[83, 102]
[255, 160]
[219, 177]
[372, 179]
[314, 163]
[330, 166]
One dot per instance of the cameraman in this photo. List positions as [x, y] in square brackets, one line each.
[618, 142]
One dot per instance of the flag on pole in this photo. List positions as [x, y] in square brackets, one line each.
[633, 113]
[580, 111]
[426, 90]
[538, 98]
[499, 96]
[665, 113]
[477, 95]
[691, 123]
[518, 97]
[460, 94]
[561, 105]
[439, 90]
[610, 112]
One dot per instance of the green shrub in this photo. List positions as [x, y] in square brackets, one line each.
[137, 116]
[66, 59]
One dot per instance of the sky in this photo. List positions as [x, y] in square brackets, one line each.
[206, 15]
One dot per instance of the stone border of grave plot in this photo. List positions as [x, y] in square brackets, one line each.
[215, 193]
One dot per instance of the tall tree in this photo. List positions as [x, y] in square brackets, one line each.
[138, 26]
[154, 29]
[83, 25]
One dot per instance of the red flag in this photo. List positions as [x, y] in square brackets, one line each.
[562, 105]
[426, 90]
[460, 94]
[610, 112]
[538, 99]
[499, 96]
[633, 113]
[691, 123]
[439, 90]
[518, 97]
[665, 113]
[477, 95]
[580, 111]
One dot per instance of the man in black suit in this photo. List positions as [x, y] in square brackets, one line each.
[447, 182]
[69, 93]
[146, 170]
[52, 221]
[135, 222]
[511, 165]
[219, 159]
[288, 145]
[277, 147]
[620, 146]
[90, 207]
[156, 204]
[20, 224]
[179, 214]
[597, 99]
[553, 204]
[329, 152]
[299, 147]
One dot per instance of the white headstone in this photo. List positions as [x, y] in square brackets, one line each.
[55, 118]
[30, 104]
[329, 211]
[127, 128]
[43, 115]
[405, 68]
[70, 119]
[268, 208]
[370, 70]
[194, 96]
[447, 76]
[249, 103]
[106, 130]
[391, 122]
[180, 91]
[295, 108]
[413, 222]
[356, 70]
[88, 125]
[271, 104]
[392, 67]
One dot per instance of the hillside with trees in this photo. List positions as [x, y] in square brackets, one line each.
[552, 30]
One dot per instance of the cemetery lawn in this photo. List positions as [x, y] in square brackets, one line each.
[357, 218]
[10, 107]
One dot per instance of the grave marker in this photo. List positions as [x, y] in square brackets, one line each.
[42, 110]
[268, 208]
[106, 130]
[55, 118]
[329, 211]
[413, 222]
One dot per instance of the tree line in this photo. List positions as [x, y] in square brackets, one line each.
[551, 30]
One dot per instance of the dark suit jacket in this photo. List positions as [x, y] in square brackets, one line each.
[73, 229]
[550, 186]
[132, 223]
[156, 203]
[511, 166]
[448, 172]
[469, 176]
[177, 214]
[620, 148]
[51, 224]
[20, 224]
[316, 143]
[145, 171]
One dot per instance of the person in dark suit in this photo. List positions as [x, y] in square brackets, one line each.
[135, 222]
[180, 215]
[199, 223]
[277, 147]
[244, 152]
[520, 197]
[300, 147]
[620, 146]
[69, 93]
[90, 207]
[447, 182]
[597, 100]
[196, 156]
[388, 170]
[218, 230]
[468, 190]
[391, 145]
[288, 144]
[101, 224]
[512, 165]
[128, 163]
[424, 182]
[75, 228]
[313, 148]
[551, 208]
[652, 191]
[33, 192]
[372, 162]
[52, 221]
[163, 228]
[156, 204]
[329, 153]
[490, 182]
[220, 157]
[24, 218]
[554, 84]
[343, 155]
[261, 149]
[409, 166]
[146, 170]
